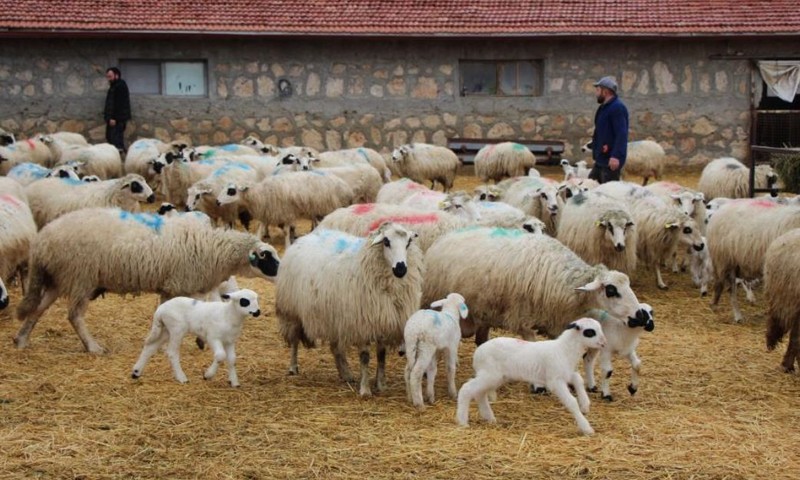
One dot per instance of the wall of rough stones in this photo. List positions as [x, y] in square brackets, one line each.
[381, 93]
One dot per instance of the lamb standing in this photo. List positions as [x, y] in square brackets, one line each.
[426, 334]
[349, 291]
[421, 162]
[217, 323]
[780, 283]
[85, 253]
[550, 363]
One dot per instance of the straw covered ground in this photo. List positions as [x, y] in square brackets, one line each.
[712, 404]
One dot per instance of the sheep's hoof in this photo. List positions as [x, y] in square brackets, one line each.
[632, 390]
[295, 370]
[703, 294]
[592, 389]
[608, 398]
[200, 343]
[663, 287]
[235, 385]
[538, 390]
[135, 375]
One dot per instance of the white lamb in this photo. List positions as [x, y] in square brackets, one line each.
[728, 177]
[550, 363]
[428, 333]
[622, 340]
[503, 160]
[702, 271]
[421, 162]
[579, 171]
[217, 323]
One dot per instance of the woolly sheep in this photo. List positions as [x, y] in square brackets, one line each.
[426, 334]
[31, 150]
[526, 282]
[10, 186]
[535, 196]
[600, 229]
[487, 193]
[397, 191]
[688, 201]
[458, 203]
[645, 158]
[421, 161]
[70, 138]
[88, 252]
[52, 197]
[169, 210]
[362, 178]
[622, 340]
[728, 177]
[203, 195]
[739, 235]
[503, 160]
[550, 363]
[661, 228]
[90, 178]
[782, 290]
[702, 271]
[218, 323]
[355, 156]
[283, 199]
[27, 173]
[17, 231]
[177, 174]
[579, 171]
[143, 153]
[103, 160]
[349, 291]
[503, 215]
[261, 147]
[363, 219]
[208, 152]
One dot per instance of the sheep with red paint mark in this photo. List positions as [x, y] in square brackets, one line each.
[503, 160]
[458, 203]
[396, 192]
[31, 150]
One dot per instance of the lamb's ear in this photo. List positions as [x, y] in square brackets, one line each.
[591, 286]
[437, 304]
[463, 310]
[573, 325]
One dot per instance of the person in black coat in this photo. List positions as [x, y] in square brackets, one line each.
[610, 139]
[118, 108]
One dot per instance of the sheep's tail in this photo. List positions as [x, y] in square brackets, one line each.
[38, 280]
[411, 352]
[776, 329]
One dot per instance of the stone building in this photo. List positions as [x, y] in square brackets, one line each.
[336, 74]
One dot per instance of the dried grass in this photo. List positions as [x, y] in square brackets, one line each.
[712, 405]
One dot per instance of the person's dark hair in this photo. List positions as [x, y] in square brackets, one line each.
[115, 70]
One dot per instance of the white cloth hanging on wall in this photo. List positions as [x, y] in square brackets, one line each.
[782, 77]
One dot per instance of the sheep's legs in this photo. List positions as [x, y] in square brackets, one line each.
[293, 367]
[173, 353]
[75, 315]
[737, 314]
[430, 385]
[364, 390]
[606, 370]
[588, 367]
[287, 236]
[341, 363]
[380, 372]
[576, 381]
[154, 341]
[451, 360]
[425, 353]
[660, 281]
[21, 338]
[230, 359]
[561, 390]
[481, 335]
[219, 356]
[635, 365]
[793, 349]
[476, 388]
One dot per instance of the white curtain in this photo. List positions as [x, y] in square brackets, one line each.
[781, 77]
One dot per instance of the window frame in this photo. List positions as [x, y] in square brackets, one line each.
[536, 63]
[162, 73]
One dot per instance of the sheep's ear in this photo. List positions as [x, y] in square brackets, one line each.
[700, 196]
[601, 223]
[670, 226]
[243, 188]
[675, 196]
[629, 224]
[378, 239]
[438, 303]
[591, 286]
[573, 325]
[463, 310]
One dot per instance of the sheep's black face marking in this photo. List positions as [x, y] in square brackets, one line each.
[63, 174]
[527, 228]
[244, 302]
[170, 157]
[231, 191]
[163, 209]
[687, 230]
[483, 196]
[610, 372]
[611, 291]
[649, 326]
[409, 243]
[263, 149]
[386, 242]
[569, 193]
[136, 187]
[589, 333]
[266, 263]
[573, 325]
[611, 229]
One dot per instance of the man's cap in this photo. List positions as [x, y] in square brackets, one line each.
[607, 82]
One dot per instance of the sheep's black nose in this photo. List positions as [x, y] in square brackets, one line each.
[257, 313]
[619, 247]
[400, 270]
[151, 198]
[700, 247]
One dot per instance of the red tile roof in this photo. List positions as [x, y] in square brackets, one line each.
[405, 17]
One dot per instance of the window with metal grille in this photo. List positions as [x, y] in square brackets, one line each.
[501, 77]
[165, 77]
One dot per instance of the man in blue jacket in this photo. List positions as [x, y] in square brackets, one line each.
[610, 139]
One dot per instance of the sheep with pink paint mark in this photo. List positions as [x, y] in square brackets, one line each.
[17, 232]
[458, 203]
[397, 191]
[503, 160]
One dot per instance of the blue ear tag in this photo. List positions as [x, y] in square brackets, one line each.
[462, 308]
[252, 258]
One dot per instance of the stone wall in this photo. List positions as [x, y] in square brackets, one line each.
[382, 93]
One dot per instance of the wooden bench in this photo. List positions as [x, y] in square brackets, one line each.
[547, 152]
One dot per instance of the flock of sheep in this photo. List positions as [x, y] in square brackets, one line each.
[526, 254]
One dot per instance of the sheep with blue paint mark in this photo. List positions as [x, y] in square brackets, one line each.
[178, 173]
[427, 334]
[143, 153]
[203, 195]
[217, 323]
[52, 197]
[208, 152]
[354, 156]
[497, 161]
[261, 147]
[349, 292]
[95, 250]
[27, 173]
[17, 231]
[31, 150]
[520, 282]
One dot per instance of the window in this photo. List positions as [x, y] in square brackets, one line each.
[159, 77]
[501, 77]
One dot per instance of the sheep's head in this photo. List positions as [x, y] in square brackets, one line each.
[690, 234]
[395, 240]
[687, 201]
[534, 225]
[232, 193]
[487, 193]
[165, 208]
[138, 188]
[245, 301]
[196, 193]
[457, 302]
[399, 154]
[616, 224]
[611, 291]
[46, 139]
[644, 318]
[588, 332]
[64, 171]
[264, 261]
[253, 142]
[460, 204]
[548, 196]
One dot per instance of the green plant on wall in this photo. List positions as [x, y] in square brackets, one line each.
[788, 168]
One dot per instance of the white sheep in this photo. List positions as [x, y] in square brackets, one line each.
[218, 323]
[85, 253]
[426, 334]
[622, 340]
[31, 150]
[422, 161]
[10, 186]
[27, 173]
[355, 156]
[17, 232]
[209, 152]
[688, 201]
[458, 203]
[362, 178]
[645, 158]
[661, 228]
[550, 363]
[178, 174]
[538, 197]
[487, 193]
[702, 271]
[103, 159]
[349, 291]
[363, 219]
[144, 152]
[739, 235]
[600, 229]
[501, 214]
[282, 200]
[780, 284]
[520, 282]
[71, 138]
[52, 197]
[496, 161]
[397, 191]
[728, 177]
[202, 195]
[90, 178]
[261, 147]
